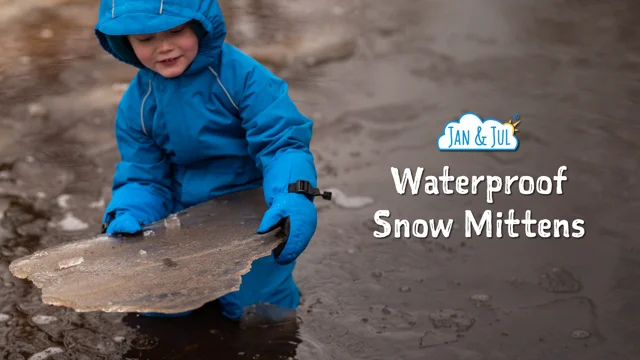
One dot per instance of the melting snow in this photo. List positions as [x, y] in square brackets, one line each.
[44, 319]
[72, 223]
[97, 204]
[63, 201]
[45, 354]
[349, 202]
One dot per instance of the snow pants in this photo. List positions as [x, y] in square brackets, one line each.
[266, 282]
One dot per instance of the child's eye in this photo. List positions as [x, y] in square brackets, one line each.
[175, 31]
[144, 39]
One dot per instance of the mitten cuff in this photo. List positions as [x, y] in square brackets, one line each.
[287, 168]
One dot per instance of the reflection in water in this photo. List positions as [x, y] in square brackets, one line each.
[205, 334]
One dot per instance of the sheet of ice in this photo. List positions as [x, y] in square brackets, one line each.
[175, 270]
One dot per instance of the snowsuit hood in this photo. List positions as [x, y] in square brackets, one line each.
[119, 18]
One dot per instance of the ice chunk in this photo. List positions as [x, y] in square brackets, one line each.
[172, 222]
[4, 317]
[183, 268]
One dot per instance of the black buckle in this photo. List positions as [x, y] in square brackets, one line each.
[304, 187]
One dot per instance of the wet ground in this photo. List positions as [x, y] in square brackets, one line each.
[569, 68]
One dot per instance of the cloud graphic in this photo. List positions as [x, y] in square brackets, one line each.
[471, 133]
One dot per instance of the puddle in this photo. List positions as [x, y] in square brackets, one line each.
[381, 77]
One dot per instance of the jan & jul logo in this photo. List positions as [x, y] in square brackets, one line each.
[471, 133]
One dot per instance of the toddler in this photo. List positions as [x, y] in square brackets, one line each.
[201, 119]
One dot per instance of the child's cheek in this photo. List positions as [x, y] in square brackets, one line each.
[190, 44]
[146, 56]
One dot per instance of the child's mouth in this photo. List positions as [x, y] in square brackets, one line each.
[170, 61]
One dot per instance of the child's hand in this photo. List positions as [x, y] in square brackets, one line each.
[124, 224]
[303, 219]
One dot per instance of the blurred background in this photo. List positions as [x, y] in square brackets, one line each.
[381, 79]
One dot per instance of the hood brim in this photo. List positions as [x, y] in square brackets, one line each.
[141, 17]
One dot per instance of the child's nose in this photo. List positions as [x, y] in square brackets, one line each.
[165, 46]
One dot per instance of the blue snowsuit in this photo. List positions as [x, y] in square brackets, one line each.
[226, 124]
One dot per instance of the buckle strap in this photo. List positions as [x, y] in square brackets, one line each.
[304, 187]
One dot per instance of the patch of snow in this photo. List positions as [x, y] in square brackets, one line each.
[37, 110]
[349, 202]
[44, 319]
[97, 204]
[120, 87]
[63, 201]
[72, 223]
[46, 353]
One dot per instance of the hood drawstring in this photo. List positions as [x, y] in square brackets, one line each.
[113, 8]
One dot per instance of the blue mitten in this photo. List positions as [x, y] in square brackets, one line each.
[303, 219]
[124, 223]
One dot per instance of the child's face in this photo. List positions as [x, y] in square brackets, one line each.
[168, 53]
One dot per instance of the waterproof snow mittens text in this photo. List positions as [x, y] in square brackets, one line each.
[124, 223]
[302, 218]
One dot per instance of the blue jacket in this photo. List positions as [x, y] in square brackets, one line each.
[226, 124]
